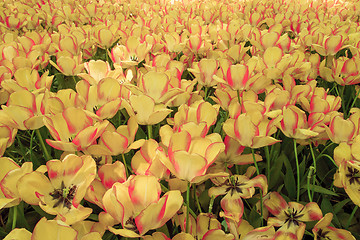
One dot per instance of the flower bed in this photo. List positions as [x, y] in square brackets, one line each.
[179, 120]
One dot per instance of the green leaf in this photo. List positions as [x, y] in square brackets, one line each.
[326, 206]
[289, 179]
[339, 206]
[275, 171]
[322, 190]
[140, 134]
[255, 218]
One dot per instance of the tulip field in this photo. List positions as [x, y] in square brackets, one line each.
[179, 119]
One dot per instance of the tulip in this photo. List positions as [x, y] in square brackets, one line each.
[73, 129]
[9, 175]
[24, 110]
[235, 188]
[197, 45]
[266, 39]
[189, 154]
[321, 102]
[238, 53]
[146, 111]
[105, 35]
[344, 71]
[206, 222]
[130, 54]
[51, 229]
[330, 46]
[68, 64]
[173, 42]
[7, 137]
[238, 77]
[294, 123]
[322, 229]
[146, 161]
[103, 99]
[199, 111]
[275, 62]
[55, 103]
[73, 45]
[137, 205]
[62, 191]
[180, 220]
[203, 72]
[224, 96]
[98, 70]
[108, 174]
[252, 129]
[347, 177]
[265, 233]
[117, 141]
[290, 217]
[28, 79]
[340, 129]
[157, 86]
[233, 154]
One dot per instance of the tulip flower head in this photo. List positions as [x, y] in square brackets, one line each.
[62, 191]
[290, 217]
[137, 205]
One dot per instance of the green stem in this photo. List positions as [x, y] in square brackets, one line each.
[206, 93]
[351, 217]
[188, 207]
[163, 188]
[197, 199]
[297, 172]
[106, 56]
[354, 101]
[47, 155]
[14, 217]
[31, 144]
[341, 94]
[211, 204]
[149, 130]
[309, 176]
[261, 192]
[125, 164]
[331, 159]
[238, 96]
[268, 162]
[73, 77]
[314, 164]
[324, 150]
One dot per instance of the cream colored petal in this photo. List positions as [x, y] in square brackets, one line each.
[18, 234]
[159, 213]
[32, 186]
[53, 229]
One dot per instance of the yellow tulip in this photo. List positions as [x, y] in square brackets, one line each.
[137, 205]
[189, 154]
[73, 129]
[62, 191]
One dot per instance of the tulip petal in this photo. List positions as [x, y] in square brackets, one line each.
[53, 229]
[157, 214]
[19, 234]
[32, 186]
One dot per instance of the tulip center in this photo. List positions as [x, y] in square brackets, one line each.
[63, 195]
[133, 58]
[233, 185]
[96, 108]
[130, 225]
[322, 234]
[293, 216]
[353, 175]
